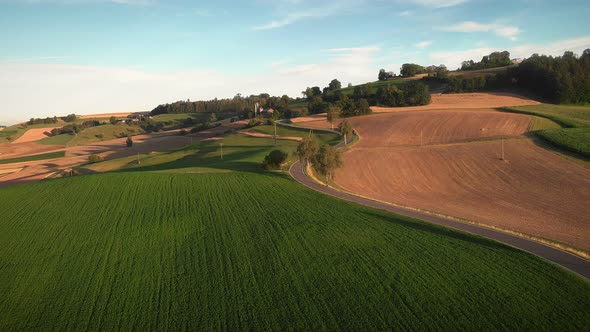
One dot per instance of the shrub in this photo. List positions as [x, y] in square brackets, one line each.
[183, 132]
[274, 159]
[94, 158]
[129, 141]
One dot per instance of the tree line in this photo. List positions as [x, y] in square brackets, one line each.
[493, 60]
[244, 106]
[333, 100]
[562, 79]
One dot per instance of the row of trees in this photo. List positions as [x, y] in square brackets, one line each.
[238, 104]
[493, 60]
[37, 121]
[562, 79]
[412, 69]
[74, 128]
[333, 101]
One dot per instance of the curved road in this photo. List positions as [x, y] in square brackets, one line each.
[572, 262]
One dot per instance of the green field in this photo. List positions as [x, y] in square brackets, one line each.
[255, 251]
[567, 116]
[320, 136]
[173, 244]
[104, 133]
[50, 155]
[575, 137]
[62, 139]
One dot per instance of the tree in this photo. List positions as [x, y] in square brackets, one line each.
[274, 159]
[382, 75]
[411, 69]
[327, 160]
[385, 75]
[316, 91]
[129, 142]
[346, 131]
[333, 114]
[363, 107]
[212, 118]
[113, 120]
[317, 105]
[335, 85]
[306, 151]
[70, 118]
[94, 158]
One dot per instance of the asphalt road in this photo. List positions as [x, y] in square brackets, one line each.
[569, 261]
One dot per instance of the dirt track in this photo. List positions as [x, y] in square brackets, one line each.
[535, 191]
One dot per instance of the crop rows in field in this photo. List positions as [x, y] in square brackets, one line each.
[153, 251]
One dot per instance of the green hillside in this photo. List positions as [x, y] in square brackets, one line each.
[175, 246]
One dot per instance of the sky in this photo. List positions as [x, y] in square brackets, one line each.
[96, 56]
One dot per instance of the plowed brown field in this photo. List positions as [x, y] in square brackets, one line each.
[32, 135]
[465, 100]
[534, 191]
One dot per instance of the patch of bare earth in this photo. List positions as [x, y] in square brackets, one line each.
[449, 162]
[32, 135]
[112, 149]
[465, 100]
[288, 138]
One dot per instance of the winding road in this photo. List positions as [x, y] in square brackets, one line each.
[569, 261]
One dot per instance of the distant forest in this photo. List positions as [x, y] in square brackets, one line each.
[238, 104]
[494, 60]
[563, 79]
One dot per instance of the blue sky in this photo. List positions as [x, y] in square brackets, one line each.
[92, 56]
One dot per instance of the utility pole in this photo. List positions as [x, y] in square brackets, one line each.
[345, 139]
[275, 123]
[221, 144]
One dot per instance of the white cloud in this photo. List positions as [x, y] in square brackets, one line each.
[406, 13]
[438, 3]
[423, 44]
[453, 59]
[41, 90]
[294, 17]
[502, 30]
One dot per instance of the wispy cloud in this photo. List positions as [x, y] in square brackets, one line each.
[438, 3]
[508, 31]
[406, 13]
[122, 2]
[423, 44]
[299, 10]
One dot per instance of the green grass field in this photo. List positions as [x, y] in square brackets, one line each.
[255, 252]
[50, 155]
[575, 137]
[104, 133]
[567, 116]
[62, 139]
[320, 136]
